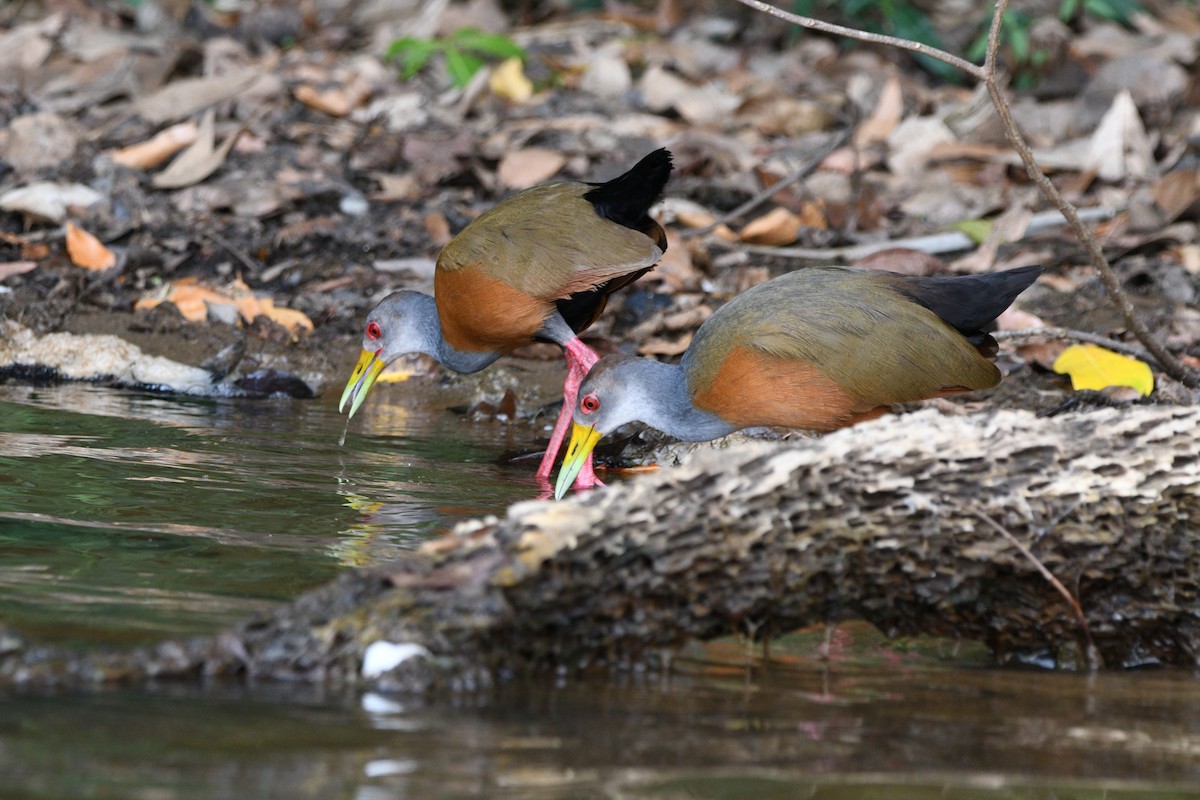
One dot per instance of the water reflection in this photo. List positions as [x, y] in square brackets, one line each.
[179, 515]
[127, 517]
[882, 722]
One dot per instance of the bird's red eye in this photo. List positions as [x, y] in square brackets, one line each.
[589, 403]
[373, 330]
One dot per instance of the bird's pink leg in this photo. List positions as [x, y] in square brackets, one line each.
[580, 359]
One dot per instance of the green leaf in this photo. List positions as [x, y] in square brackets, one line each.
[1068, 9]
[492, 44]
[461, 66]
[414, 54]
[977, 230]
[978, 48]
[1018, 40]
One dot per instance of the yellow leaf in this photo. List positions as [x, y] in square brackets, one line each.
[1094, 367]
[508, 81]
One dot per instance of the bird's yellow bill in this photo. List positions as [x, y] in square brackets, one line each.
[366, 372]
[583, 441]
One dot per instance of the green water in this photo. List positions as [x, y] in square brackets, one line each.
[127, 518]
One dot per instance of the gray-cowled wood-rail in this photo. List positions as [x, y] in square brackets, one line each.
[539, 265]
[818, 348]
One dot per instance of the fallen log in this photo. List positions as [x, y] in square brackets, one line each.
[897, 521]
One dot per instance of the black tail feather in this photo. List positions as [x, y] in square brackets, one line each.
[970, 303]
[626, 198]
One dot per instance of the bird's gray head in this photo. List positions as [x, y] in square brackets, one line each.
[400, 324]
[403, 322]
[615, 392]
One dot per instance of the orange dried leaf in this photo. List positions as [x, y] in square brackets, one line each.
[87, 251]
[337, 101]
[192, 300]
[775, 228]
[158, 149]
[694, 218]
[812, 215]
[295, 321]
[249, 307]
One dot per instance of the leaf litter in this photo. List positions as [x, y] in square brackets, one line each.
[308, 176]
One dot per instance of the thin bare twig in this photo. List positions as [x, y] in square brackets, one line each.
[987, 74]
[1070, 335]
[865, 36]
[1093, 654]
[934, 244]
[754, 202]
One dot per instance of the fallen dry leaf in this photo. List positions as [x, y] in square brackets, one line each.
[158, 148]
[182, 98]
[885, 116]
[606, 73]
[1093, 367]
[200, 160]
[396, 187]
[1176, 192]
[337, 101]
[1120, 147]
[774, 229]
[49, 200]
[1042, 352]
[1014, 319]
[1008, 227]
[87, 251]
[676, 268]
[509, 82]
[10, 268]
[520, 169]
[195, 302]
[659, 346]
[904, 260]
[912, 144]
[1189, 257]
[40, 140]
[812, 215]
[249, 307]
[289, 318]
[186, 295]
[697, 104]
[438, 227]
[694, 217]
[850, 160]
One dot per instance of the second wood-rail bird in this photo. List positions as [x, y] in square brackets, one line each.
[539, 265]
[818, 349]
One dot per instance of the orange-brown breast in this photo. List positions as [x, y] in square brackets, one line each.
[482, 314]
[753, 388]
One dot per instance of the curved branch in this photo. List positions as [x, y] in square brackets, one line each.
[1069, 335]
[974, 70]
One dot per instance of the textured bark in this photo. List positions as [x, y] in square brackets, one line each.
[879, 521]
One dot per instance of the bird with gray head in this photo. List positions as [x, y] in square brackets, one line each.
[817, 349]
[539, 266]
